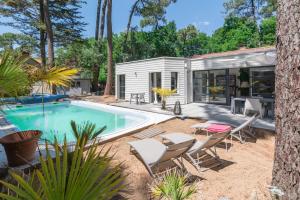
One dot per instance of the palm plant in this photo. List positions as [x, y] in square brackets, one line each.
[86, 131]
[88, 176]
[55, 76]
[173, 186]
[164, 93]
[13, 79]
[214, 90]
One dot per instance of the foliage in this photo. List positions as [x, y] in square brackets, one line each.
[164, 93]
[83, 54]
[173, 186]
[236, 33]
[13, 41]
[24, 16]
[254, 9]
[214, 90]
[57, 76]
[191, 41]
[152, 12]
[268, 31]
[86, 131]
[89, 176]
[13, 79]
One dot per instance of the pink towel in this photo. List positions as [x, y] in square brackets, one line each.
[217, 128]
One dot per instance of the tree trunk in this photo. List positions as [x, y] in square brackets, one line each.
[42, 35]
[49, 31]
[132, 11]
[109, 80]
[253, 10]
[96, 67]
[103, 19]
[98, 19]
[286, 170]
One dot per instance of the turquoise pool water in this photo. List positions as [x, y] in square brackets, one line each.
[56, 119]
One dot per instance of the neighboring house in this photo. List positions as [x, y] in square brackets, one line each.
[209, 78]
[79, 86]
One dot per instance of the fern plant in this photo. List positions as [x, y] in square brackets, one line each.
[173, 186]
[90, 175]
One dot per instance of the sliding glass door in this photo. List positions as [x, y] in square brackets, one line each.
[155, 82]
[211, 86]
[122, 86]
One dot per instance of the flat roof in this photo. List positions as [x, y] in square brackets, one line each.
[235, 52]
[152, 59]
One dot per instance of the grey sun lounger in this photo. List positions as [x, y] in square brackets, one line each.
[203, 154]
[158, 157]
[148, 133]
[238, 133]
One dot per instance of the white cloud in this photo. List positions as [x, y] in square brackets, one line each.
[205, 23]
[201, 24]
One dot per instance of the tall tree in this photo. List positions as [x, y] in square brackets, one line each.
[152, 13]
[42, 37]
[9, 41]
[254, 9]
[98, 19]
[96, 66]
[26, 16]
[49, 31]
[103, 15]
[286, 170]
[109, 80]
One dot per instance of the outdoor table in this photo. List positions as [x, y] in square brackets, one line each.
[136, 96]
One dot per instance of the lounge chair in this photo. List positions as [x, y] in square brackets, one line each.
[158, 157]
[203, 154]
[238, 132]
[253, 104]
[148, 133]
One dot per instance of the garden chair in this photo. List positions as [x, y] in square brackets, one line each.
[148, 133]
[159, 158]
[203, 154]
[253, 104]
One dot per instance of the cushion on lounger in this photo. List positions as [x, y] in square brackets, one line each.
[216, 128]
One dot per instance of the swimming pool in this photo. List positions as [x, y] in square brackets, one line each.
[55, 122]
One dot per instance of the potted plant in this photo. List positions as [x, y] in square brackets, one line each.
[164, 93]
[20, 147]
[214, 90]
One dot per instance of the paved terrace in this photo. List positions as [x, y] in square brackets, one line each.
[203, 111]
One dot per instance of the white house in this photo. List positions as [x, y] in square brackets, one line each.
[209, 78]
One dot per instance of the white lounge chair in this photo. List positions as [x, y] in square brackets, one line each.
[203, 154]
[158, 157]
[253, 104]
[238, 132]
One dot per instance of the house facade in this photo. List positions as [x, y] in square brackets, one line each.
[210, 78]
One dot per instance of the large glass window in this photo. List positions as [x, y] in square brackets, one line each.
[263, 82]
[174, 80]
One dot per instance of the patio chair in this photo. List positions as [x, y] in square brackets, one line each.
[239, 132]
[245, 128]
[203, 154]
[253, 104]
[142, 98]
[159, 158]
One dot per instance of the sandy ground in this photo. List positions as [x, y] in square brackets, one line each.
[246, 173]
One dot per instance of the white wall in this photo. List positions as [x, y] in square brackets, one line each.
[137, 75]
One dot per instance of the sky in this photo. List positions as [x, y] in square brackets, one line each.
[206, 15]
